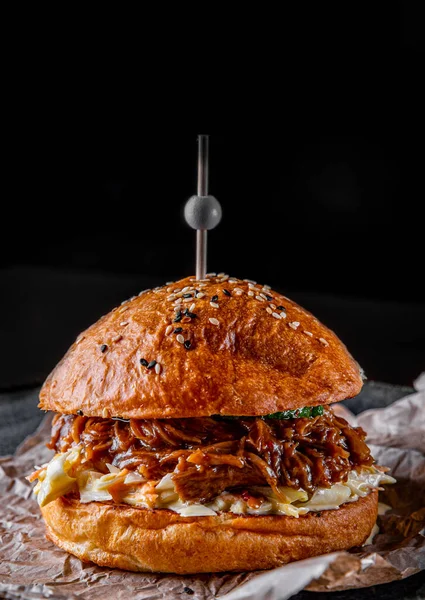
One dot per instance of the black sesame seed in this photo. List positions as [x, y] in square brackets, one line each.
[187, 344]
[80, 413]
[188, 590]
[144, 362]
[269, 298]
[152, 364]
[214, 299]
[191, 315]
[187, 296]
[226, 293]
[178, 318]
[318, 514]
[178, 330]
[103, 348]
[281, 308]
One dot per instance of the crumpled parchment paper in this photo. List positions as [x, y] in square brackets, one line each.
[32, 568]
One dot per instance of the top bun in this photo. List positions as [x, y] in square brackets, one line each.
[243, 349]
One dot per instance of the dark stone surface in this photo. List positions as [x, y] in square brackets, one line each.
[376, 394]
[19, 417]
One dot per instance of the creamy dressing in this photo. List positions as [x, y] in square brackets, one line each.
[55, 481]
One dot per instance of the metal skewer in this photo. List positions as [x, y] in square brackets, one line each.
[201, 234]
[202, 212]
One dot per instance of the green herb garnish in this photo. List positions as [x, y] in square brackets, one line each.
[308, 412]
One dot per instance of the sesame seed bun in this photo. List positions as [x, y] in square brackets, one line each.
[243, 349]
[137, 539]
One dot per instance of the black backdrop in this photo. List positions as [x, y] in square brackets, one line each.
[334, 221]
[335, 214]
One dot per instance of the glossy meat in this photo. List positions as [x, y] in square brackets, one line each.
[209, 455]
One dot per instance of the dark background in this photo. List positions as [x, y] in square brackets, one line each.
[333, 221]
[334, 214]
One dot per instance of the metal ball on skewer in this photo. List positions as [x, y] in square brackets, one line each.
[202, 212]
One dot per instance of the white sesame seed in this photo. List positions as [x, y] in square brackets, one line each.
[123, 323]
[232, 281]
[323, 341]
[224, 278]
[211, 275]
[269, 310]
[250, 281]
[117, 338]
[157, 368]
[202, 285]
[239, 293]
[141, 293]
[294, 324]
[273, 306]
[221, 274]
[169, 289]
[176, 291]
[250, 293]
[238, 290]
[266, 287]
[192, 307]
[200, 295]
[308, 333]
[214, 305]
[283, 315]
[172, 297]
[105, 413]
[251, 286]
[276, 315]
[259, 298]
[214, 321]
[180, 338]
[186, 289]
[263, 296]
[169, 329]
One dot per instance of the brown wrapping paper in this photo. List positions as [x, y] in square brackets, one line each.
[31, 567]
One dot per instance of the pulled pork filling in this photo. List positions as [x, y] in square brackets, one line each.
[209, 455]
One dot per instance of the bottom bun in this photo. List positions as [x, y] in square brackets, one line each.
[137, 539]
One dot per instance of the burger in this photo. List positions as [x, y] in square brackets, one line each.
[193, 433]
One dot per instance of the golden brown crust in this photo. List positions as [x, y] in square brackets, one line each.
[250, 363]
[142, 540]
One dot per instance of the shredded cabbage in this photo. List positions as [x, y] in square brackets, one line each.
[55, 481]
[329, 498]
[94, 487]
